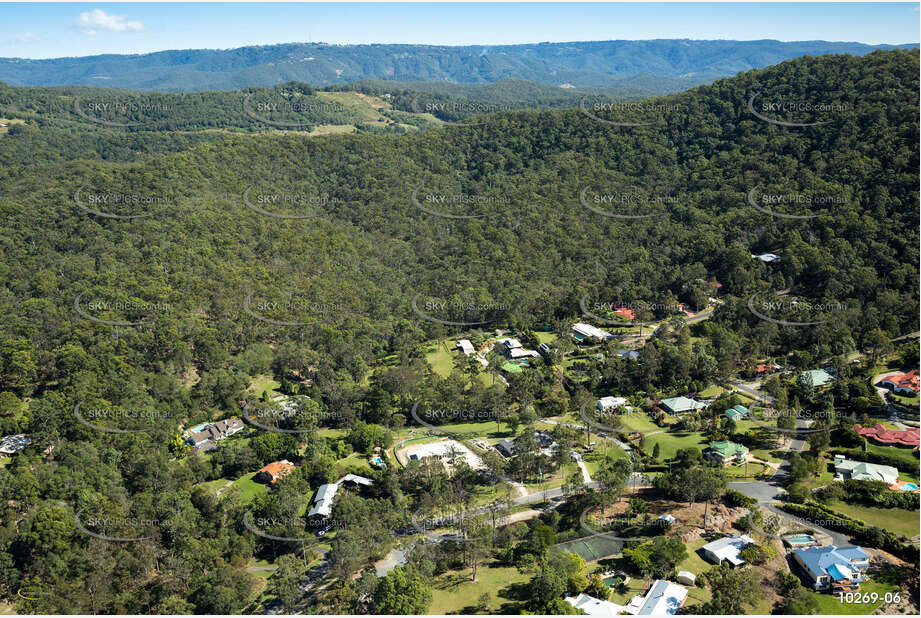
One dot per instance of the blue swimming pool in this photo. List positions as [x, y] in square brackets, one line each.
[799, 539]
[908, 487]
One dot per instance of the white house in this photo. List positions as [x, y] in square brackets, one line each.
[582, 331]
[727, 549]
[663, 598]
[606, 404]
[767, 258]
[465, 346]
[595, 607]
[862, 471]
[326, 494]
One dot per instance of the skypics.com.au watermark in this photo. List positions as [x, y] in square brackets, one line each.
[122, 110]
[456, 109]
[430, 417]
[769, 203]
[289, 416]
[628, 113]
[291, 113]
[791, 311]
[292, 310]
[140, 312]
[456, 312]
[795, 113]
[118, 205]
[287, 205]
[116, 528]
[630, 204]
[114, 419]
[454, 205]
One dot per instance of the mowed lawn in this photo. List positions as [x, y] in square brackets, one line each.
[900, 521]
[248, 487]
[454, 593]
[669, 443]
[830, 604]
[264, 383]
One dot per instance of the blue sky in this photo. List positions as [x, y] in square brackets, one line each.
[79, 29]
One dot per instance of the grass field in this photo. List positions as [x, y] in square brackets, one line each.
[248, 487]
[900, 521]
[712, 391]
[831, 605]
[441, 357]
[694, 563]
[454, 593]
[264, 383]
[547, 338]
[669, 443]
[638, 421]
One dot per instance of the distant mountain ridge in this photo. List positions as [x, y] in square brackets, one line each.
[684, 62]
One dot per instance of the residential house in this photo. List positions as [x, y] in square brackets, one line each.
[595, 607]
[465, 346]
[727, 549]
[631, 354]
[767, 258]
[625, 313]
[207, 439]
[726, 452]
[582, 331]
[510, 343]
[14, 443]
[609, 404]
[891, 437]
[516, 353]
[737, 412]
[765, 368]
[678, 405]
[274, 471]
[903, 383]
[505, 448]
[326, 494]
[687, 578]
[663, 598]
[668, 518]
[815, 378]
[862, 471]
[833, 567]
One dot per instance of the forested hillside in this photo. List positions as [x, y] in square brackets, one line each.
[595, 63]
[168, 251]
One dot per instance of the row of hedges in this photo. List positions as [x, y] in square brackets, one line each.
[869, 535]
[766, 471]
[902, 464]
[870, 493]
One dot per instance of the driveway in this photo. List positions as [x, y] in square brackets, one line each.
[751, 391]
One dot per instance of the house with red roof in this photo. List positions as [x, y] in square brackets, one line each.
[891, 437]
[625, 313]
[902, 383]
[274, 471]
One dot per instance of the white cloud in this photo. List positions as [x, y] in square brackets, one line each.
[25, 37]
[91, 22]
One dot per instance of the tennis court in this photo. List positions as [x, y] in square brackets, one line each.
[592, 548]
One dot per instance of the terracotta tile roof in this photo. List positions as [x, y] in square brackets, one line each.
[897, 437]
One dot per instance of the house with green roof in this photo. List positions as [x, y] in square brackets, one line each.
[726, 452]
[736, 413]
[863, 471]
[677, 405]
[815, 378]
